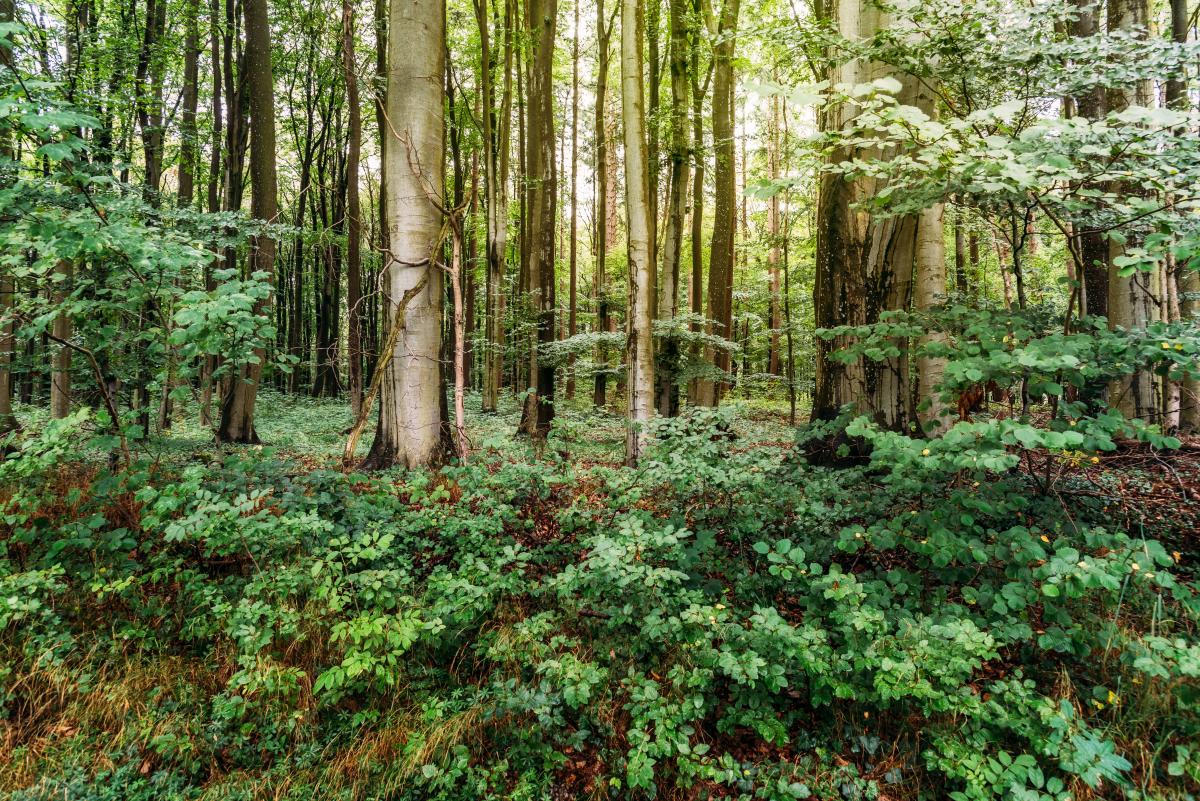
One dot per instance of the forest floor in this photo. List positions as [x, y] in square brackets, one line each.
[249, 622]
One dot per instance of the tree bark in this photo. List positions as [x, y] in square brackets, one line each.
[864, 264]
[639, 341]
[412, 419]
[720, 266]
[603, 34]
[668, 389]
[1090, 104]
[573, 266]
[237, 408]
[774, 366]
[1130, 298]
[1187, 280]
[188, 146]
[542, 180]
[353, 216]
[8, 421]
[496, 149]
[929, 291]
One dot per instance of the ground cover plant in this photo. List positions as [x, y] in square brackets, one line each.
[524, 400]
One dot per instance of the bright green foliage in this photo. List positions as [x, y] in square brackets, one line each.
[724, 616]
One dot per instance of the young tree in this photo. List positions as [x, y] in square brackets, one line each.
[237, 407]
[639, 339]
[412, 416]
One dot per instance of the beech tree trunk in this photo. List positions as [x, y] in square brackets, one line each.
[864, 264]
[930, 290]
[237, 408]
[639, 340]
[1130, 298]
[774, 366]
[412, 417]
[496, 135]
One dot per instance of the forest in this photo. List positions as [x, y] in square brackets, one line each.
[481, 400]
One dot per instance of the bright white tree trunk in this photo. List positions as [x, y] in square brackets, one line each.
[929, 290]
[639, 348]
[412, 429]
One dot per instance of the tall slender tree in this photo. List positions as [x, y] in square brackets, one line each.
[639, 340]
[8, 343]
[237, 407]
[680, 130]
[542, 182]
[354, 357]
[720, 267]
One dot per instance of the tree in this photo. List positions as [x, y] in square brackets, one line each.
[604, 27]
[542, 210]
[1130, 298]
[720, 267]
[639, 340]
[412, 428]
[668, 308]
[864, 263]
[8, 420]
[237, 407]
[354, 356]
[496, 147]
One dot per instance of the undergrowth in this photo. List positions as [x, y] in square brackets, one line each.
[726, 621]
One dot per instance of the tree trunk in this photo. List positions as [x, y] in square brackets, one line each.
[961, 284]
[188, 146]
[720, 267]
[864, 264]
[774, 366]
[668, 389]
[60, 363]
[496, 138]
[603, 32]
[215, 198]
[696, 284]
[412, 429]
[1130, 298]
[237, 408]
[1187, 280]
[542, 180]
[353, 216]
[8, 421]
[930, 290]
[573, 281]
[639, 341]
[1092, 247]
